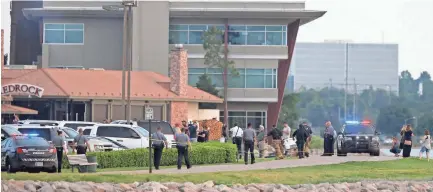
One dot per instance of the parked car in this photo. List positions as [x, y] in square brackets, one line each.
[116, 146]
[71, 124]
[166, 129]
[95, 144]
[358, 137]
[133, 123]
[127, 135]
[28, 153]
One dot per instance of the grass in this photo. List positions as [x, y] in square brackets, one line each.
[347, 172]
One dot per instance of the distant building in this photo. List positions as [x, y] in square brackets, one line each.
[320, 65]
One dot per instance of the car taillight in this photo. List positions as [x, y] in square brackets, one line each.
[53, 150]
[20, 150]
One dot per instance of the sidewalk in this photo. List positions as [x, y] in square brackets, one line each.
[276, 164]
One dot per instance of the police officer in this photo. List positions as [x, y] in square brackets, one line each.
[301, 136]
[261, 141]
[158, 143]
[328, 139]
[81, 142]
[308, 143]
[276, 141]
[182, 146]
[249, 139]
[60, 144]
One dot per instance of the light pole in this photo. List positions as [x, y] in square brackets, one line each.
[127, 50]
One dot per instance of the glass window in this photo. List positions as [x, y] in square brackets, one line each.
[178, 37]
[256, 38]
[274, 38]
[255, 122]
[237, 113]
[268, 81]
[108, 131]
[197, 70]
[254, 114]
[196, 37]
[256, 28]
[284, 38]
[256, 118]
[142, 131]
[197, 27]
[178, 27]
[217, 79]
[215, 70]
[236, 81]
[74, 36]
[54, 26]
[241, 121]
[32, 141]
[220, 27]
[255, 71]
[44, 133]
[237, 38]
[193, 79]
[74, 26]
[87, 131]
[237, 28]
[54, 36]
[274, 28]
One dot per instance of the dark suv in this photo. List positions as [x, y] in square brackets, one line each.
[358, 137]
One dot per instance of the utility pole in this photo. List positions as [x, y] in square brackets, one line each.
[346, 81]
[354, 100]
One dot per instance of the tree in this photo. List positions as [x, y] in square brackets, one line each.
[289, 112]
[205, 83]
[424, 122]
[216, 56]
[392, 118]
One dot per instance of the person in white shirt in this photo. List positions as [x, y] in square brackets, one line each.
[286, 131]
[237, 134]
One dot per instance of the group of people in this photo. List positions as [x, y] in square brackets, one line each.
[193, 131]
[405, 143]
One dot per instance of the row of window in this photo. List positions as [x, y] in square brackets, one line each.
[237, 34]
[73, 33]
[247, 78]
[55, 33]
[242, 118]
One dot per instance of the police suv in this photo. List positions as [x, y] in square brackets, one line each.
[358, 137]
[28, 152]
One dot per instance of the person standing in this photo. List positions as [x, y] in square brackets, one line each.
[182, 145]
[186, 127]
[425, 145]
[177, 128]
[193, 132]
[407, 144]
[308, 142]
[261, 141]
[81, 142]
[237, 134]
[158, 143]
[249, 140]
[328, 139]
[286, 135]
[60, 145]
[301, 136]
[224, 134]
[276, 141]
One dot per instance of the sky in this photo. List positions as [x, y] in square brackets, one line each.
[408, 23]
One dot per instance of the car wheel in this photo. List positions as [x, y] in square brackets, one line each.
[9, 167]
[52, 170]
[377, 153]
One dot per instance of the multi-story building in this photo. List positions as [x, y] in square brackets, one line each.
[320, 65]
[260, 40]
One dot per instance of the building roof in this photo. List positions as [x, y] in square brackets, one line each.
[96, 84]
[12, 109]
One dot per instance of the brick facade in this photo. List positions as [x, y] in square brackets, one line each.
[179, 71]
[178, 84]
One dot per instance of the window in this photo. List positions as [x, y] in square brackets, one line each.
[55, 33]
[44, 133]
[76, 125]
[189, 34]
[242, 118]
[108, 131]
[34, 141]
[87, 131]
[247, 78]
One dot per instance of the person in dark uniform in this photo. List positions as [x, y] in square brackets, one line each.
[182, 146]
[301, 136]
[249, 140]
[328, 139]
[158, 143]
[276, 141]
[308, 142]
[60, 145]
[81, 142]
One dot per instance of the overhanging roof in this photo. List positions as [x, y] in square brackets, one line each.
[242, 13]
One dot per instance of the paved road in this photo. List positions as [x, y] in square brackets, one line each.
[314, 160]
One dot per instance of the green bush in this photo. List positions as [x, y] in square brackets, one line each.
[201, 153]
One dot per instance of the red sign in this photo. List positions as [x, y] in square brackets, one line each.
[22, 89]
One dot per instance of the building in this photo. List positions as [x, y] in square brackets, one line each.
[95, 95]
[260, 40]
[369, 64]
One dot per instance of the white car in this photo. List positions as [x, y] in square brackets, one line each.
[95, 143]
[123, 122]
[71, 124]
[166, 129]
[127, 135]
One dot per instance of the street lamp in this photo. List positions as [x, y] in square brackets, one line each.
[127, 50]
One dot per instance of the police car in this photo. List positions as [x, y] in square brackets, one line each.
[28, 152]
[358, 137]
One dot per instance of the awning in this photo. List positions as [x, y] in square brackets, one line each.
[12, 109]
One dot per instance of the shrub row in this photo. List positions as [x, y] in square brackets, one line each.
[201, 153]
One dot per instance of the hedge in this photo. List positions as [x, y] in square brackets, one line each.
[202, 153]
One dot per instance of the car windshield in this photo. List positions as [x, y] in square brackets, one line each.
[70, 132]
[166, 127]
[142, 131]
[44, 133]
[32, 141]
[359, 129]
